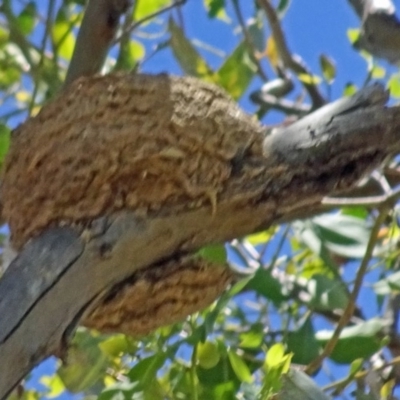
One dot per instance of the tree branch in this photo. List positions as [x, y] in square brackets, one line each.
[380, 29]
[98, 29]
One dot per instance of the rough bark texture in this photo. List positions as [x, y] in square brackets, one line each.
[94, 263]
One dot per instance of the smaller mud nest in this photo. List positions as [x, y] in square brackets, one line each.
[152, 144]
[158, 296]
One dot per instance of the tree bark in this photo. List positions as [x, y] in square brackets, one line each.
[98, 29]
[380, 28]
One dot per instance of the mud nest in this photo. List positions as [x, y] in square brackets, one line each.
[160, 295]
[118, 142]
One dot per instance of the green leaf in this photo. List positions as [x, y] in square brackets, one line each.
[215, 253]
[341, 234]
[218, 376]
[26, 20]
[394, 86]
[253, 338]
[349, 89]
[129, 55]
[353, 35]
[236, 72]
[62, 34]
[5, 133]
[297, 385]
[275, 356]
[240, 368]
[146, 7]
[268, 286]
[357, 212]
[54, 384]
[328, 68]
[260, 237]
[309, 79]
[208, 354]
[276, 364]
[146, 369]
[86, 363]
[326, 293]
[216, 8]
[115, 345]
[356, 366]
[121, 390]
[4, 36]
[388, 285]
[187, 56]
[282, 7]
[303, 344]
[12, 64]
[359, 341]
[377, 72]
[221, 304]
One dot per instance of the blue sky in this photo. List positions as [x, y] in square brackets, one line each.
[312, 27]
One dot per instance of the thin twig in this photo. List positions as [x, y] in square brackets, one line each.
[295, 63]
[249, 40]
[125, 40]
[370, 201]
[248, 260]
[383, 182]
[46, 34]
[181, 20]
[267, 101]
[349, 310]
[281, 243]
[136, 24]
[359, 375]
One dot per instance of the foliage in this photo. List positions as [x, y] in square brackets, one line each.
[254, 342]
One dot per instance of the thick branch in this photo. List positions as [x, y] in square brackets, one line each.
[380, 30]
[98, 29]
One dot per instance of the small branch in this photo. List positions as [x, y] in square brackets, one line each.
[267, 101]
[294, 63]
[370, 201]
[279, 248]
[249, 40]
[95, 37]
[46, 34]
[349, 310]
[127, 31]
[342, 383]
[125, 40]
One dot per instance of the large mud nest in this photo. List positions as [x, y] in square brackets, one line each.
[151, 144]
[117, 142]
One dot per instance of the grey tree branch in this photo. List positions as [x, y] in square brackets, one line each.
[60, 273]
[380, 29]
[97, 32]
